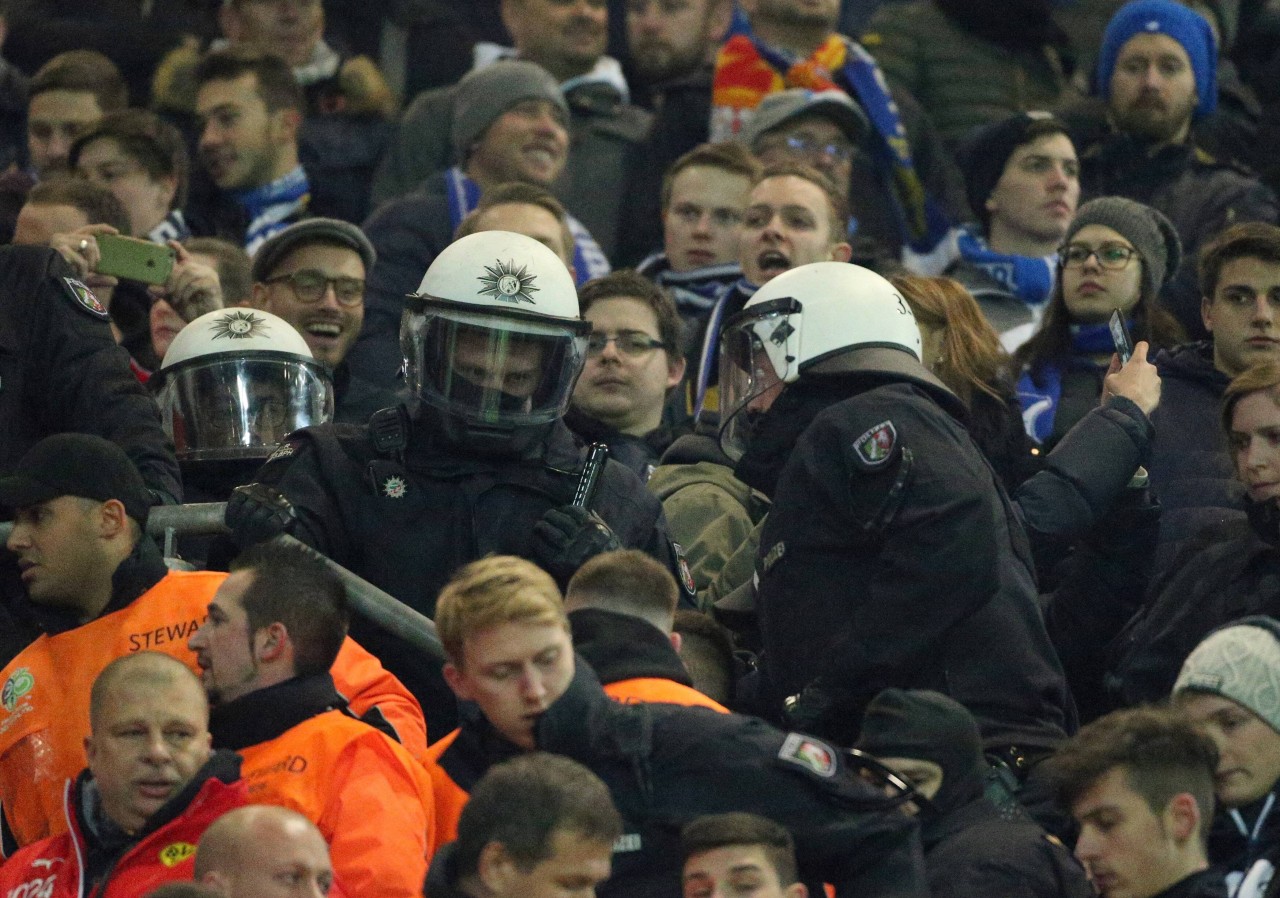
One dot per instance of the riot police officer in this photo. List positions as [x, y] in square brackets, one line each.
[234, 383]
[475, 462]
[891, 555]
[61, 370]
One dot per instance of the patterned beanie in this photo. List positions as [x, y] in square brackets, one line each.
[1240, 661]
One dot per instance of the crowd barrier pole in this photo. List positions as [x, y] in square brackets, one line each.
[167, 522]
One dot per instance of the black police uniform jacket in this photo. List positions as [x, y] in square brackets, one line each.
[893, 557]
[61, 370]
[407, 525]
[668, 764]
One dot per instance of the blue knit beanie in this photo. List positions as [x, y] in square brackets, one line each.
[1185, 26]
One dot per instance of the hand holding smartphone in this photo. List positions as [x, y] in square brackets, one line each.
[1121, 338]
[131, 259]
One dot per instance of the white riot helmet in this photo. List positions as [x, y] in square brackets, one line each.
[235, 382]
[802, 318]
[493, 342]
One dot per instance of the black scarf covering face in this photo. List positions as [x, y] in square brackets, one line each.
[1018, 25]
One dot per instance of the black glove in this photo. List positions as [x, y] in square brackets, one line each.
[829, 712]
[257, 512]
[569, 535]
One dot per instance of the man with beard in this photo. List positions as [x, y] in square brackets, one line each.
[672, 40]
[250, 109]
[673, 45]
[1157, 73]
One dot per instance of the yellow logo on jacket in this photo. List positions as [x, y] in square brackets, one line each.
[175, 854]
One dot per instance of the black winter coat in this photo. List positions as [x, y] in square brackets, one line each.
[1191, 469]
[892, 557]
[407, 527]
[667, 764]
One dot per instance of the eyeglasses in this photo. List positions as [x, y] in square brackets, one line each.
[811, 146]
[1112, 256]
[630, 343]
[309, 286]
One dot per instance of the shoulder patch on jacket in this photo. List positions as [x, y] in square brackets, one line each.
[812, 755]
[875, 447]
[82, 298]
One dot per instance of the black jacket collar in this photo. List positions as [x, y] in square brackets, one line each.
[622, 647]
[478, 745]
[143, 569]
[1205, 884]
[267, 713]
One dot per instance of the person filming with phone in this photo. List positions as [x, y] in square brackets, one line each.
[1116, 255]
[103, 257]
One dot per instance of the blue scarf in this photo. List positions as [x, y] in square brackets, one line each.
[921, 220]
[695, 292]
[1039, 397]
[172, 227]
[271, 206]
[463, 194]
[1030, 278]
[736, 294]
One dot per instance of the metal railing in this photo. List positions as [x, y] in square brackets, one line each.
[166, 523]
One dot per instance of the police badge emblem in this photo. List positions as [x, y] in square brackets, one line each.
[876, 445]
[508, 283]
[84, 298]
[807, 752]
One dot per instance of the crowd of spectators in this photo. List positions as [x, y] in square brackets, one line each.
[809, 447]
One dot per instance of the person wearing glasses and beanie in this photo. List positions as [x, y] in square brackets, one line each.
[312, 274]
[1115, 255]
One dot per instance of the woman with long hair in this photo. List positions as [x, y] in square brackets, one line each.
[1117, 255]
[1062, 494]
[963, 351]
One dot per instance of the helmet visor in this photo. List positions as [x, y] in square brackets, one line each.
[755, 364]
[240, 408]
[492, 370]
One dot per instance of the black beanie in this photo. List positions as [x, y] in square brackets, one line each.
[986, 152]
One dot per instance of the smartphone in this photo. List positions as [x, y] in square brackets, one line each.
[131, 259]
[1120, 337]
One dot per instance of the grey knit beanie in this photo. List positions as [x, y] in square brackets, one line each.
[1151, 234]
[1241, 662]
[484, 94]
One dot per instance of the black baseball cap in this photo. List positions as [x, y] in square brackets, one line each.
[76, 464]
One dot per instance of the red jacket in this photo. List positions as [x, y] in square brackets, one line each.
[164, 852]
